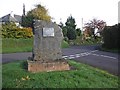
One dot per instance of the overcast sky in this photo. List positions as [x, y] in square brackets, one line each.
[60, 10]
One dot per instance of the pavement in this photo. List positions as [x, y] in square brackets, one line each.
[84, 54]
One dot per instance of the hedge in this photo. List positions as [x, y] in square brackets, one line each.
[111, 36]
[12, 31]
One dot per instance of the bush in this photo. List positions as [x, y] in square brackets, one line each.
[10, 30]
[111, 36]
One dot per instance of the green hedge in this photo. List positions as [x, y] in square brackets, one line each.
[111, 36]
[10, 30]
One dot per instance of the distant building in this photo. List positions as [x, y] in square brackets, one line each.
[17, 19]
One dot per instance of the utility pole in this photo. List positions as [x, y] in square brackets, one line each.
[119, 12]
[82, 25]
[23, 9]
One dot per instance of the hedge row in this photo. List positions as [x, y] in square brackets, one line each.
[12, 31]
[111, 36]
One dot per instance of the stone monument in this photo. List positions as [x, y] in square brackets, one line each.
[47, 55]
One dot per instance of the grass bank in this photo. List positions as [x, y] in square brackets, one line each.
[16, 76]
[10, 45]
[114, 50]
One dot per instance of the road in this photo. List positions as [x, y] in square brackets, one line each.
[85, 54]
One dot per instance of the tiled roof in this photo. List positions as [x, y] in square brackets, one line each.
[9, 18]
[18, 18]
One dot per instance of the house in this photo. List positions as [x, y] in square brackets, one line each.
[17, 19]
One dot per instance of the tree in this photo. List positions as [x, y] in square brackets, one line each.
[61, 25]
[39, 12]
[64, 29]
[71, 28]
[95, 24]
[78, 31]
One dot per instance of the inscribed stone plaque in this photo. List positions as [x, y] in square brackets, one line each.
[48, 32]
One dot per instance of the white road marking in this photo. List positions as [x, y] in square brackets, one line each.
[86, 54]
[94, 51]
[108, 56]
[77, 54]
[95, 54]
[71, 55]
[104, 56]
[64, 56]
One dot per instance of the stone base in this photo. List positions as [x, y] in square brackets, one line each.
[37, 66]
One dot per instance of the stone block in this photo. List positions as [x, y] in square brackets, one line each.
[37, 66]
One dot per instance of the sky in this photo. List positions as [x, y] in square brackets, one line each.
[60, 10]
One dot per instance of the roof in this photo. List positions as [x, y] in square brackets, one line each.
[9, 18]
[18, 18]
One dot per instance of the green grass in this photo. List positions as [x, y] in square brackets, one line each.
[10, 45]
[64, 44]
[15, 76]
[114, 50]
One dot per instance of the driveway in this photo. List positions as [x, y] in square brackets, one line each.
[85, 54]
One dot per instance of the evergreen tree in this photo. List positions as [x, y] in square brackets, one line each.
[71, 28]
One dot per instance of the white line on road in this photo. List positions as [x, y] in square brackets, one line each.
[104, 56]
[108, 56]
[71, 55]
[86, 54]
[94, 51]
[95, 54]
[64, 56]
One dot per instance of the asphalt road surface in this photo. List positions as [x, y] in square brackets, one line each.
[85, 54]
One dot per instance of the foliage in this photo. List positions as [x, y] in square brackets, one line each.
[93, 24]
[10, 30]
[39, 12]
[111, 36]
[64, 30]
[78, 31]
[61, 25]
[91, 41]
[16, 76]
[71, 28]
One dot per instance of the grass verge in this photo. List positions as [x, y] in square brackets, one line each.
[110, 50]
[10, 45]
[16, 76]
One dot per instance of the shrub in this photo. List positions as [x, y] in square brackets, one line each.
[10, 30]
[111, 36]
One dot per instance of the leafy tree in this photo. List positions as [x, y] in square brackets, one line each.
[39, 12]
[93, 24]
[71, 28]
